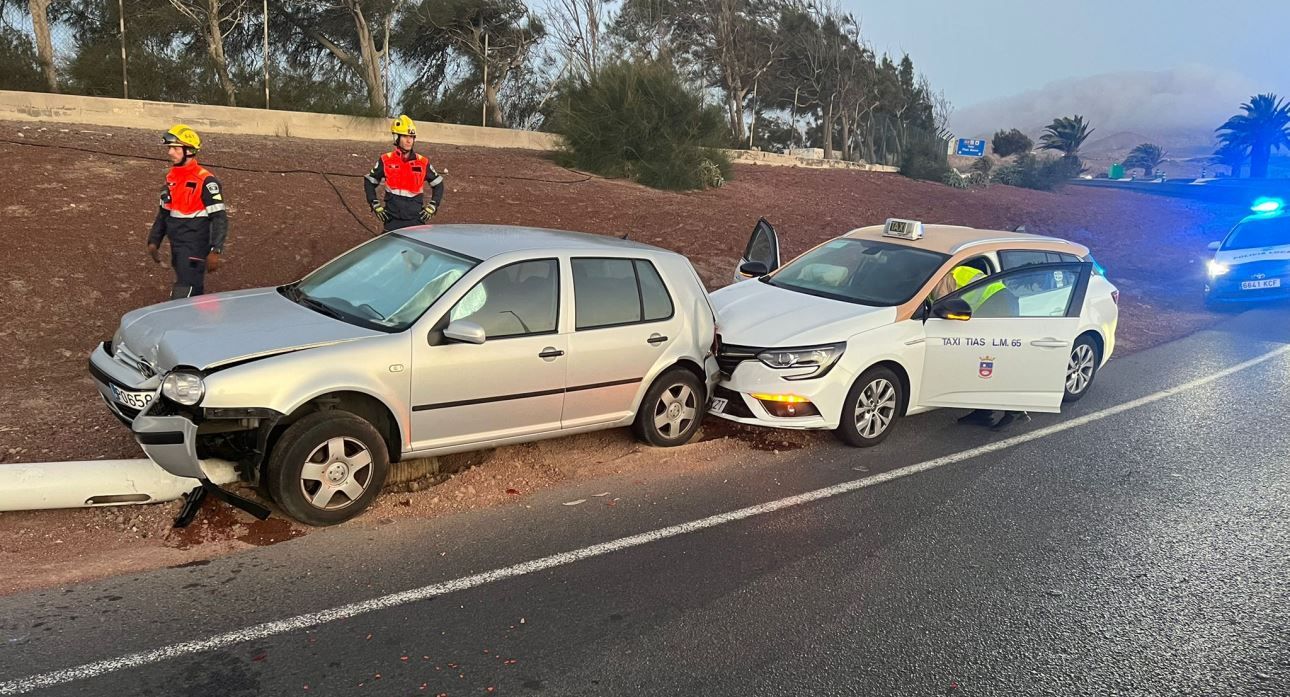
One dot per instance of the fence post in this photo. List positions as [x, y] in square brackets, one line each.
[266, 54]
[125, 78]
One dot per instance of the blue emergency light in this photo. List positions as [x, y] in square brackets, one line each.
[1267, 205]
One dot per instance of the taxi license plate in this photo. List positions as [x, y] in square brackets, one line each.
[134, 400]
[1255, 285]
[718, 405]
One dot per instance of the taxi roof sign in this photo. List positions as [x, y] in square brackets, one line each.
[904, 229]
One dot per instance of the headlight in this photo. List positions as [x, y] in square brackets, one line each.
[183, 388]
[818, 359]
[1217, 268]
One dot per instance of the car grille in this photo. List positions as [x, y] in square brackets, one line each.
[735, 404]
[729, 356]
[133, 362]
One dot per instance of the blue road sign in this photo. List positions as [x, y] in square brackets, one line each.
[970, 147]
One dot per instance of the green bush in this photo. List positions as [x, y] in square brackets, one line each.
[954, 180]
[639, 121]
[983, 165]
[925, 157]
[1032, 172]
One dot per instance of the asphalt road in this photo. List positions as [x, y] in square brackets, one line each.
[1143, 550]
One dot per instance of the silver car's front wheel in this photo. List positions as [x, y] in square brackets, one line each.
[327, 467]
[1081, 368]
[336, 474]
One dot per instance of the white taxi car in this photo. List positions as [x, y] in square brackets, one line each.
[1253, 261]
[886, 321]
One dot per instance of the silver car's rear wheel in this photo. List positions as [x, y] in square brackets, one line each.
[672, 409]
[327, 467]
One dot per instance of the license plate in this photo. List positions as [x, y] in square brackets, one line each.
[1255, 285]
[134, 400]
[718, 405]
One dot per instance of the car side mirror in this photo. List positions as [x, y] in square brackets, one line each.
[753, 269]
[953, 308]
[465, 332]
[1213, 246]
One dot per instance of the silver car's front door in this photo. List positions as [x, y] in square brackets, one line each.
[512, 385]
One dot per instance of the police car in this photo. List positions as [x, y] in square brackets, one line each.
[1253, 261]
[872, 326]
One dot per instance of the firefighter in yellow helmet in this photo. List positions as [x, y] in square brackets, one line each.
[191, 214]
[405, 175]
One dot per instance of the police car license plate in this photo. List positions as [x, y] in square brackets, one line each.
[1255, 285]
[134, 400]
[718, 405]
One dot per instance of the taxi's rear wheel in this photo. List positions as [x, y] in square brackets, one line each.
[1081, 368]
[327, 467]
[871, 409]
[672, 410]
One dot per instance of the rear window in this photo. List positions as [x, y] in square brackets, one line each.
[616, 292]
[1259, 232]
[1016, 258]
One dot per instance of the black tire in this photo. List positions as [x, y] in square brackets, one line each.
[1086, 358]
[661, 419]
[877, 394]
[334, 443]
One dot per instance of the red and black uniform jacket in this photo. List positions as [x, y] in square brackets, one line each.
[192, 211]
[405, 180]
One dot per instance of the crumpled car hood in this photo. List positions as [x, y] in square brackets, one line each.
[752, 313]
[212, 330]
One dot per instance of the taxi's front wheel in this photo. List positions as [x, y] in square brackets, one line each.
[871, 409]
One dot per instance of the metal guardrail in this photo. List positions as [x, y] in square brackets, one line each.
[1230, 191]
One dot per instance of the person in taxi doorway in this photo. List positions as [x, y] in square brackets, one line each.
[192, 214]
[405, 175]
[961, 277]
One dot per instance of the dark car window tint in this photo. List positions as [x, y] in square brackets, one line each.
[605, 293]
[654, 297]
[516, 300]
[1016, 258]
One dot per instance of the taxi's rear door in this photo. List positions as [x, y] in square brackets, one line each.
[1012, 353]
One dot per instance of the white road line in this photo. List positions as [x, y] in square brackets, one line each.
[313, 619]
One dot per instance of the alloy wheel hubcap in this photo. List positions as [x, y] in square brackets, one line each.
[1079, 369]
[876, 408]
[336, 473]
[675, 411]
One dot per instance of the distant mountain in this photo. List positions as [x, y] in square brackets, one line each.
[1176, 109]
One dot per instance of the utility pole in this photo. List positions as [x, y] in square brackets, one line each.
[125, 78]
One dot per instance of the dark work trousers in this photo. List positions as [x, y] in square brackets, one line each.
[400, 223]
[188, 258]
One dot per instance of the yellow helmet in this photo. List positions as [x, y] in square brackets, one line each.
[403, 126]
[179, 134]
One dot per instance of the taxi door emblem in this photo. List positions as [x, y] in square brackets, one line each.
[986, 368]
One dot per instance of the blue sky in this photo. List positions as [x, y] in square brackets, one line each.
[979, 50]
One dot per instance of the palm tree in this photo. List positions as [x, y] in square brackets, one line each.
[1231, 155]
[1264, 127]
[1066, 135]
[1146, 156]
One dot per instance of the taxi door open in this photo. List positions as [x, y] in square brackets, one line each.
[1004, 341]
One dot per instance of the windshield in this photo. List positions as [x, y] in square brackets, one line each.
[386, 283]
[860, 271]
[1260, 232]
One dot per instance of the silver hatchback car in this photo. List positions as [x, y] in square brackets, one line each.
[427, 341]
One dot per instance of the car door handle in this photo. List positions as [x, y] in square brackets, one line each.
[551, 352]
[656, 339]
[1050, 343]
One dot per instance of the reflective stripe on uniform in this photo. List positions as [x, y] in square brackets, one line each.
[405, 192]
[370, 178]
[198, 214]
[437, 181]
[214, 208]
